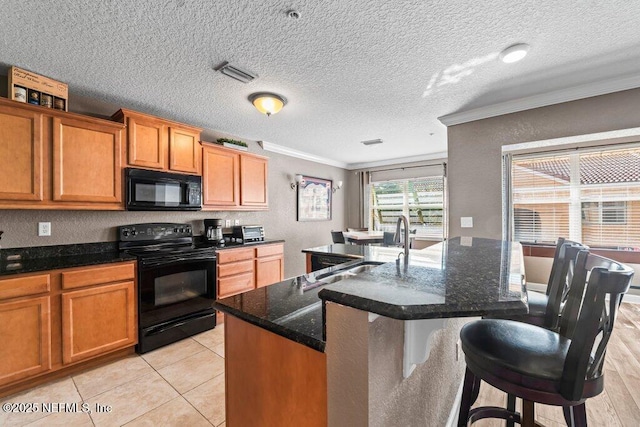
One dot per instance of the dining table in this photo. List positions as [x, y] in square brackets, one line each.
[364, 237]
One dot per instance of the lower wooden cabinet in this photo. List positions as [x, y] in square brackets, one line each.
[97, 320]
[244, 269]
[25, 328]
[52, 320]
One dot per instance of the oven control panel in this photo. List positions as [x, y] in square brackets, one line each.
[154, 231]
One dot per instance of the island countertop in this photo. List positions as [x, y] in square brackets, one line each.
[457, 278]
[461, 277]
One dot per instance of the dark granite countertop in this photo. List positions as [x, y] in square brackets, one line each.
[458, 278]
[42, 258]
[234, 245]
[290, 308]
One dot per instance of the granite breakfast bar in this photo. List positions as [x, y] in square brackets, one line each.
[388, 353]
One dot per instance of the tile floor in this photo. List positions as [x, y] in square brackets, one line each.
[178, 385]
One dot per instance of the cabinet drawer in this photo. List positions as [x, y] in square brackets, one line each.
[269, 250]
[23, 286]
[235, 268]
[235, 284]
[232, 255]
[96, 275]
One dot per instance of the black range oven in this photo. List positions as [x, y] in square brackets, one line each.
[176, 282]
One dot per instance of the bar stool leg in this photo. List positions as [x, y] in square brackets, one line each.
[528, 416]
[470, 390]
[511, 407]
[575, 416]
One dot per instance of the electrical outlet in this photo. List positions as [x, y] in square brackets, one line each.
[227, 223]
[44, 229]
[236, 222]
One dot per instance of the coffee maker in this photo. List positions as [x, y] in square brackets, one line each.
[213, 232]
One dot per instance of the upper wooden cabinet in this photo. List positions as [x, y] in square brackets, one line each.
[52, 159]
[21, 158]
[86, 161]
[233, 180]
[156, 143]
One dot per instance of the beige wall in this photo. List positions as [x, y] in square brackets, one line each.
[474, 151]
[20, 226]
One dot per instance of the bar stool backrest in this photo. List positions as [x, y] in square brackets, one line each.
[586, 317]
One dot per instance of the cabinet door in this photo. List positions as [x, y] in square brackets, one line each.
[253, 181]
[21, 158]
[148, 143]
[184, 150]
[86, 161]
[97, 320]
[25, 328]
[269, 270]
[220, 175]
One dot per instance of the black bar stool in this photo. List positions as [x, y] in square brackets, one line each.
[337, 237]
[562, 368]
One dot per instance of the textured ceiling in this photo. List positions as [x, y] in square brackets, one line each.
[352, 70]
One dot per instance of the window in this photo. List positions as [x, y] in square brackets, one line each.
[588, 195]
[421, 200]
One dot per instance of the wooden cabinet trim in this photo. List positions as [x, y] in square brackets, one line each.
[72, 345]
[11, 358]
[87, 276]
[24, 286]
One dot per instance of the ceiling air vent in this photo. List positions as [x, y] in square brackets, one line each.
[372, 142]
[235, 72]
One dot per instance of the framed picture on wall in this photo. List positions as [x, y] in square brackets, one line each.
[314, 199]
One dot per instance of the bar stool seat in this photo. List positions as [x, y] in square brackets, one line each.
[521, 357]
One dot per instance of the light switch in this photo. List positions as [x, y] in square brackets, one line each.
[466, 222]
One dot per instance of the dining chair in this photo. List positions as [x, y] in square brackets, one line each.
[388, 238]
[337, 236]
[560, 368]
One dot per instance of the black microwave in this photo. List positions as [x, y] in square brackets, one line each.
[148, 190]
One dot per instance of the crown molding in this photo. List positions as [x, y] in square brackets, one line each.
[275, 148]
[542, 100]
[442, 155]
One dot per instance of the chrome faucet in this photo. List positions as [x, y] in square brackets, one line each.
[403, 220]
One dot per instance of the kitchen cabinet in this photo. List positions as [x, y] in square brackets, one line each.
[233, 180]
[86, 161]
[52, 159]
[269, 264]
[56, 320]
[156, 143]
[100, 316]
[247, 268]
[235, 271]
[21, 156]
[25, 327]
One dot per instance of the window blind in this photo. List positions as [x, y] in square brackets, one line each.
[592, 196]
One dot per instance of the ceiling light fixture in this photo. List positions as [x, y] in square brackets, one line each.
[267, 103]
[514, 53]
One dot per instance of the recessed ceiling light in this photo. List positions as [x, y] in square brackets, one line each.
[514, 53]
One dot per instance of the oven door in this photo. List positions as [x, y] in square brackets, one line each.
[174, 288]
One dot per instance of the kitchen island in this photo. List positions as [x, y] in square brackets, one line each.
[376, 344]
